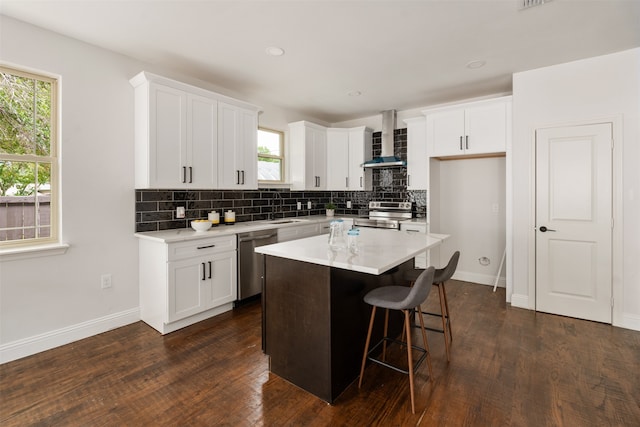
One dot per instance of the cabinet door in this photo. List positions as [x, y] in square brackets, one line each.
[486, 128]
[446, 133]
[186, 280]
[222, 287]
[338, 151]
[167, 137]
[359, 151]
[248, 144]
[316, 159]
[202, 134]
[420, 261]
[237, 147]
[417, 161]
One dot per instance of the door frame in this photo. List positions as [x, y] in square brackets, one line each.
[617, 205]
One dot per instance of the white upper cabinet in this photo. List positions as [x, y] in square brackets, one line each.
[308, 148]
[202, 142]
[476, 128]
[177, 135]
[417, 160]
[347, 150]
[238, 147]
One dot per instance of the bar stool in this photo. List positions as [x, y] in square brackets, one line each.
[442, 275]
[405, 299]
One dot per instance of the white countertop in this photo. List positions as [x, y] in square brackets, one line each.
[379, 250]
[182, 234]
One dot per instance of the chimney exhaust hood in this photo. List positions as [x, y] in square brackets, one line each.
[387, 158]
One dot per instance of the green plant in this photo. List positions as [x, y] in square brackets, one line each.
[330, 205]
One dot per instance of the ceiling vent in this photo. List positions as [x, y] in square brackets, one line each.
[527, 4]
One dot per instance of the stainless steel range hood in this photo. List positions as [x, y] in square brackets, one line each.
[387, 158]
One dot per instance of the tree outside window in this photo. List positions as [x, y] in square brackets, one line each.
[27, 157]
[270, 156]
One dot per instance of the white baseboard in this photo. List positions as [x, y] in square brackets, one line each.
[520, 301]
[482, 279]
[35, 344]
[629, 321]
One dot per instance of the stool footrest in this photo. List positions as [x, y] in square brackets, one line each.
[416, 365]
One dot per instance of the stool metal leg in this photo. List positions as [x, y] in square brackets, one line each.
[384, 334]
[366, 345]
[446, 304]
[426, 345]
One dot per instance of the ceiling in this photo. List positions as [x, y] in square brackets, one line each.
[396, 54]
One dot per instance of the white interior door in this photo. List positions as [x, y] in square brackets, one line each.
[574, 221]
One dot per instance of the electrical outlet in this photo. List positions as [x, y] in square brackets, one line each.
[309, 205]
[299, 205]
[348, 204]
[180, 212]
[105, 281]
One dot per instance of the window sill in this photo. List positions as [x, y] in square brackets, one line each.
[26, 252]
[262, 184]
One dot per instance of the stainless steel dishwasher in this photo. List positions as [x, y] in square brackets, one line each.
[250, 264]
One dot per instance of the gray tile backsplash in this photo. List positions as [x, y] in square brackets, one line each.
[155, 209]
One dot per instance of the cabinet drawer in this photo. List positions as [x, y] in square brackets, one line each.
[193, 248]
[413, 228]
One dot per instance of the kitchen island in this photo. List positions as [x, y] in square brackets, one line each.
[314, 317]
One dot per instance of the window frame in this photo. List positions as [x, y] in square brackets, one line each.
[281, 157]
[53, 159]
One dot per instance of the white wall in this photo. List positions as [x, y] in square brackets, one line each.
[605, 88]
[47, 301]
[468, 191]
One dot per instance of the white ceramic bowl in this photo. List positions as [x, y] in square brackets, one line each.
[202, 225]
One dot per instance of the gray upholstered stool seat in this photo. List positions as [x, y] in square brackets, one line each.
[405, 299]
[441, 276]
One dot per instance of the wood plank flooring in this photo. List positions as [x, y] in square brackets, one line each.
[509, 367]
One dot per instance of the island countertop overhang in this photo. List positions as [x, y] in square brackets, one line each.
[379, 250]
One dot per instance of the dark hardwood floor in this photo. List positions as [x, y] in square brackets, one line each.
[509, 367]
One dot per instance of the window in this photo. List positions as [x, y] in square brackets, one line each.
[270, 155]
[28, 158]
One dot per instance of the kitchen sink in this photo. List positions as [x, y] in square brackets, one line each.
[286, 221]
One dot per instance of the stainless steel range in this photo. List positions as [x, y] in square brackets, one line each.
[385, 215]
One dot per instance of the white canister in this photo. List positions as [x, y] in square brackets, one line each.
[229, 217]
[214, 217]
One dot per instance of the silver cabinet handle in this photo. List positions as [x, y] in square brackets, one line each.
[242, 177]
[184, 174]
[190, 175]
[408, 179]
[346, 182]
[460, 142]
[360, 182]
[466, 143]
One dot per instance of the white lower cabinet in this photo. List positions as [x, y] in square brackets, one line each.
[298, 232]
[185, 282]
[421, 261]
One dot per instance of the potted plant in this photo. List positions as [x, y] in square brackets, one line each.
[330, 209]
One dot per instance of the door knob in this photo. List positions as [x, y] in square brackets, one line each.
[545, 229]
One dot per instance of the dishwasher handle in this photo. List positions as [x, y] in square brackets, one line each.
[252, 238]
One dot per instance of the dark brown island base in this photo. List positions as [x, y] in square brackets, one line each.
[315, 321]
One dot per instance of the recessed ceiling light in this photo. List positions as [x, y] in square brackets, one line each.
[478, 63]
[354, 93]
[274, 51]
